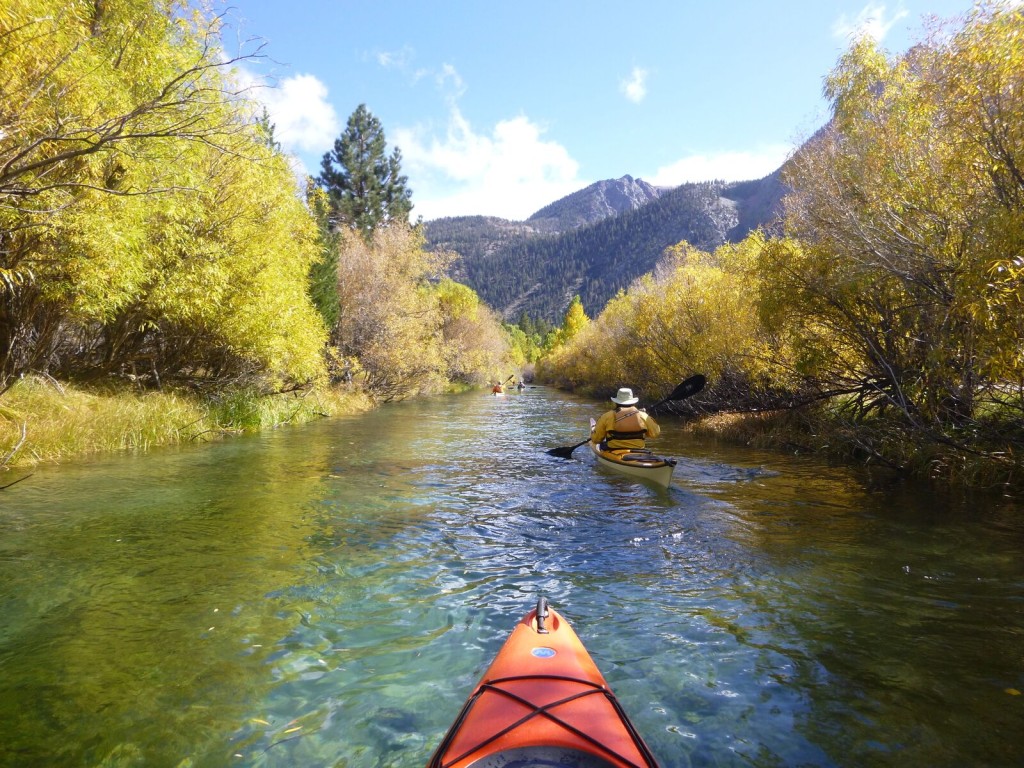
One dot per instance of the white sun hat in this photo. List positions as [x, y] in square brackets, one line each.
[625, 397]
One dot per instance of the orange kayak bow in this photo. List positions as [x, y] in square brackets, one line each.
[542, 702]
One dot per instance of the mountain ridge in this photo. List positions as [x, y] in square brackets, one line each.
[596, 241]
[601, 199]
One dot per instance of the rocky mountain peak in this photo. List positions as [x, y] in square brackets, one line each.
[609, 197]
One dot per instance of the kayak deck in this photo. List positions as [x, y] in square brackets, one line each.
[542, 702]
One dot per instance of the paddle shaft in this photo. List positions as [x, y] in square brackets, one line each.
[569, 448]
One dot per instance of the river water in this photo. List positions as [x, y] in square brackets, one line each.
[327, 595]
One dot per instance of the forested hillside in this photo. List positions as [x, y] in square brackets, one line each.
[516, 268]
[473, 237]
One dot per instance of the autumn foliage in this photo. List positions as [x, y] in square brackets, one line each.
[151, 229]
[892, 294]
[148, 228]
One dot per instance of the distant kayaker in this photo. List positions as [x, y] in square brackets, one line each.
[625, 427]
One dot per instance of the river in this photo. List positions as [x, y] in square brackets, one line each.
[327, 595]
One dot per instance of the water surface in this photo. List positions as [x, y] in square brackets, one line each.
[327, 595]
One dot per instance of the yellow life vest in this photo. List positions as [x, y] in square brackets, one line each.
[629, 425]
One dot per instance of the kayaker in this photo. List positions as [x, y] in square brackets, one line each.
[497, 388]
[626, 426]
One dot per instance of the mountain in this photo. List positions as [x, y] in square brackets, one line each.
[596, 202]
[596, 241]
[474, 237]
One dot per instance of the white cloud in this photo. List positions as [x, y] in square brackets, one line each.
[304, 121]
[511, 173]
[303, 118]
[450, 81]
[871, 21]
[400, 59]
[635, 86]
[724, 166]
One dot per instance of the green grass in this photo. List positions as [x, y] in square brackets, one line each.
[42, 420]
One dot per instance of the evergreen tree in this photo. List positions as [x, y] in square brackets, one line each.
[266, 129]
[527, 325]
[323, 273]
[366, 188]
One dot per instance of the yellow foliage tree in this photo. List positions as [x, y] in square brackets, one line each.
[575, 320]
[474, 343]
[908, 212]
[696, 313]
[143, 215]
[389, 319]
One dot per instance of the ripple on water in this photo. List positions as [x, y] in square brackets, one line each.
[329, 595]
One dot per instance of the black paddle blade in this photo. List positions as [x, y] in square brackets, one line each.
[565, 452]
[688, 388]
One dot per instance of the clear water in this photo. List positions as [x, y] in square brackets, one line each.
[328, 595]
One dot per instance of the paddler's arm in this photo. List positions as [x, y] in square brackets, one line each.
[653, 430]
[601, 429]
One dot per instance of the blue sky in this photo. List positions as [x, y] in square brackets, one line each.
[500, 108]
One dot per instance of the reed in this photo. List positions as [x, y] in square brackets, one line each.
[42, 420]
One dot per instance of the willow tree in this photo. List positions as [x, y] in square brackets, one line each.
[143, 216]
[980, 82]
[389, 322]
[695, 313]
[906, 210]
[227, 292]
[474, 343]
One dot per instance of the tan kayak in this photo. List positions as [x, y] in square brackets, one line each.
[636, 462]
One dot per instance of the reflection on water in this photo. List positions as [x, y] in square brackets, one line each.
[328, 595]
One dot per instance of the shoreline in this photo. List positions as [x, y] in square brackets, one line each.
[44, 421]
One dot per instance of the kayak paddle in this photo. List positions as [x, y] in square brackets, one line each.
[686, 389]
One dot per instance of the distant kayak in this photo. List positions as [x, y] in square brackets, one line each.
[542, 703]
[636, 462]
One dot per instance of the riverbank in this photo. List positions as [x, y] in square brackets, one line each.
[879, 442]
[45, 421]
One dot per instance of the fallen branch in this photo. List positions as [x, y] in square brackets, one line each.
[26, 477]
[17, 447]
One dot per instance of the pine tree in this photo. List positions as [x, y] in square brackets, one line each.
[323, 273]
[366, 188]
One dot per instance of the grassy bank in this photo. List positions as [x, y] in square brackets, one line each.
[42, 420]
[959, 461]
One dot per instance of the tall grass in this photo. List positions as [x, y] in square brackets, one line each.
[42, 420]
